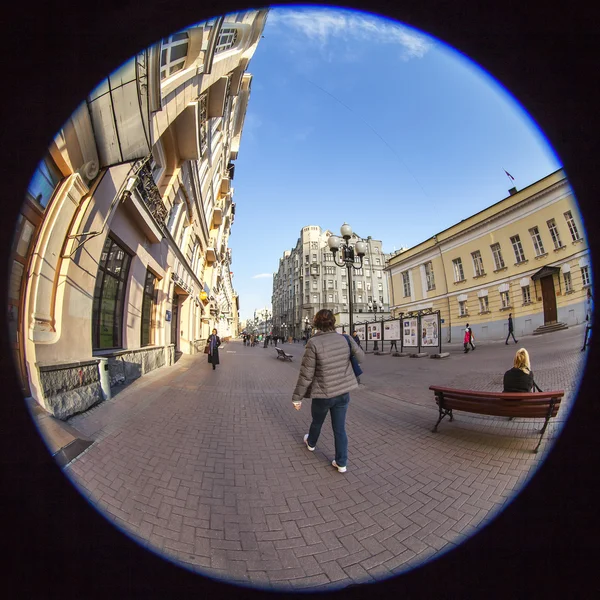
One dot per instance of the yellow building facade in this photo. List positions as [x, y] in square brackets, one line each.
[526, 255]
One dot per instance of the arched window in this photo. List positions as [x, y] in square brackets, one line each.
[173, 54]
[227, 39]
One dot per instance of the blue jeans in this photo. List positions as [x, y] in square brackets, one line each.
[338, 407]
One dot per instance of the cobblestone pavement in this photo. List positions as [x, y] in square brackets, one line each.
[209, 467]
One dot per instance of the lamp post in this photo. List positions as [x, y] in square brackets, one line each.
[373, 308]
[284, 325]
[347, 258]
[306, 328]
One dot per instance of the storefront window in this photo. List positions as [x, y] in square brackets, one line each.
[147, 306]
[109, 295]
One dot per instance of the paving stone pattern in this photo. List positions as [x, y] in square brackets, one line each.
[209, 468]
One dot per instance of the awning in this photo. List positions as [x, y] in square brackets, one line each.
[545, 271]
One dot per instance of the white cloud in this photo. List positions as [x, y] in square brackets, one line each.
[321, 25]
[262, 276]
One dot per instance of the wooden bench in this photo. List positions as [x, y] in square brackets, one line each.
[282, 354]
[537, 405]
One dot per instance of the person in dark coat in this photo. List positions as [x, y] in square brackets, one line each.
[589, 315]
[510, 329]
[520, 377]
[357, 340]
[214, 341]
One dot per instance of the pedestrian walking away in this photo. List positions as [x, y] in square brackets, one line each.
[468, 339]
[510, 329]
[327, 376]
[520, 377]
[589, 316]
[393, 346]
[214, 341]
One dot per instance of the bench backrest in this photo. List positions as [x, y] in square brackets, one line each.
[500, 404]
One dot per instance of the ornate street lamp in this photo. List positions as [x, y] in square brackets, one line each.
[373, 306]
[347, 253]
[306, 327]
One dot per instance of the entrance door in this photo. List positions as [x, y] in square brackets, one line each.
[25, 234]
[175, 321]
[549, 299]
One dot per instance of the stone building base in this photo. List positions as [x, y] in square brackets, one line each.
[73, 387]
[70, 388]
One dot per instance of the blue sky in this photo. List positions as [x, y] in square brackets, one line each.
[357, 118]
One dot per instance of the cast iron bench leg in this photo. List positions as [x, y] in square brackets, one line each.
[543, 430]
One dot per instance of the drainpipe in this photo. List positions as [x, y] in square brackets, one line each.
[447, 290]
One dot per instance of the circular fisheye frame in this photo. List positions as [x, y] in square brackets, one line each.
[189, 405]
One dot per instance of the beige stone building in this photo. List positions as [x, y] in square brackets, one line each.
[526, 255]
[308, 280]
[121, 256]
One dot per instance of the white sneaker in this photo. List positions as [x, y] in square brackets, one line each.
[306, 442]
[340, 469]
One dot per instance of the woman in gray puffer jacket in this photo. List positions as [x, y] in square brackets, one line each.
[326, 376]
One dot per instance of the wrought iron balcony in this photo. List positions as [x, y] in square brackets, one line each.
[148, 191]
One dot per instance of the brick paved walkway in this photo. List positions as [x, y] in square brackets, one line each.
[210, 469]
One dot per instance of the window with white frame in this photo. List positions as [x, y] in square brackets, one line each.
[227, 39]
[378, 274]
[572, 226]
[366, 260]
[330, 297]
[477, 263]
[314, 245]
[568, 282]
[314, 257]
[330, 284]
[462, 308]
[526, 291]
[497, 253]
[429, 276]
[484, 305]
[515, 240]
[314, 284]
[368, 287]
[360, 298]
[554, 234]
[536, 238]
[359, 285]
[377, 261]
[406, 283]
[173, 54]
[380, 287]
[458, 270]
[315, 299]
[368, 272]
[504, 299]
[585, 275]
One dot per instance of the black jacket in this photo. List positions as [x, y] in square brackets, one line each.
[516, 380]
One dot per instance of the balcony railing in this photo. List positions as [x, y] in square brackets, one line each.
[148, 191]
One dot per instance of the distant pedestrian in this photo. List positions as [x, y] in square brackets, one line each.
[468, 339]
[589, 316]
[214, 341]
[393, 346]
[520, 377]
[357, 340]
[326, 376]
[510, 329]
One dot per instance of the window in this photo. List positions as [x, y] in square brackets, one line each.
[44, 181]
[585, 276]
[307, 259]
[227, 39]
[378, 274]
[572, 226]
[173, 54]
[377, 262]
[527, 293]
[314, 284]
[484, 305]
[498, 260]
[462, 308]
[477, 263]
[147, 306]
[504, 299]
[518, 248]
[366, 260]
[344, 298]
[368, 272]
[314, 245]
[359, 285]
[406, 283]
[330, 297]
[554, 234]
[109, 295]
[458, 270]
[429, 276]
[315, 299]
[307, 271]
[568, 282]
[536, 238]
[380, 287]
[368, 287]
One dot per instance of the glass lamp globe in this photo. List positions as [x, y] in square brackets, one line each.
[334, 242]
[361, 248]
[346, 231]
